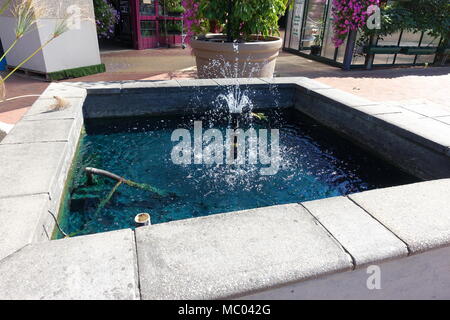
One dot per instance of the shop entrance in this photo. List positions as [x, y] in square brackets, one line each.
[146, 24]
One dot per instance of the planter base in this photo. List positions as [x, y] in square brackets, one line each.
[218, 59]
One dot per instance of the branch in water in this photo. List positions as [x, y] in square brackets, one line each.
[110, 175]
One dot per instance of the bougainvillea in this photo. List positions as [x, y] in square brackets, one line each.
[190, 16]
[105, 18]
[349, 15]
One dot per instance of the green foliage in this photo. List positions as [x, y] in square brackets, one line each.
[430, 16]
[105, 18]
[172, 6]
[173, 27]
[247, 17]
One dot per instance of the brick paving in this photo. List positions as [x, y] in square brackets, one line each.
[398, 84]
[24, 92]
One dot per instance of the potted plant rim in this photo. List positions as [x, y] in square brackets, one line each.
[248, 41]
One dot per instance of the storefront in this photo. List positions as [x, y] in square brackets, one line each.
[309, 34]
[150, 23]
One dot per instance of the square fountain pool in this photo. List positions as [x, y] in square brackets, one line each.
[314, 163]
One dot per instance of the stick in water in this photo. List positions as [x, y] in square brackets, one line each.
[110, 175]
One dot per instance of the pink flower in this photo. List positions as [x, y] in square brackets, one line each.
[349, 15]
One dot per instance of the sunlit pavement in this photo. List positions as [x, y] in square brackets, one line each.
[430, 83]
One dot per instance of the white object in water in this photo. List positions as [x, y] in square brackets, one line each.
[142, 220]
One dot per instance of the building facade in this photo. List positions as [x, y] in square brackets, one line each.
[309, 32]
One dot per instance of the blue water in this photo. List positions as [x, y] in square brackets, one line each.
[316, 163]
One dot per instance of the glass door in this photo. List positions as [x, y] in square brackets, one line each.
[295, 22]
[314, 23]
[148, 23]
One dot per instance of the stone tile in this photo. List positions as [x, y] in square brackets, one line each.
[251, 81]
[40, 131]
[311, 84]
[284, 82]
[378, 109]
[238, 81]
[100, 87]
[433, 133]
[142, 86]
[227, 82]
[100, 266]
[419, 214]
[44, 109]
[19, 218]
[425, 108]
[64, 90]
[196, 82]
[29, 169]
[363, 237]
[301, 82]
[343, 97]
[445, 120]
[234, 254]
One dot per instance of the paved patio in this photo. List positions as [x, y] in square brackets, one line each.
[419, 83]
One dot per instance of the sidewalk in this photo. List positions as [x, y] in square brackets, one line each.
[430, 83]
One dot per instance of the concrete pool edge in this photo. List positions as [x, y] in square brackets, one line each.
[56, 152]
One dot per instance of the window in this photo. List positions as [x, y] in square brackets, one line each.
[148, 28]
[147, 8]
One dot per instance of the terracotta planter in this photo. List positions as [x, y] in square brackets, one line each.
[218, 59]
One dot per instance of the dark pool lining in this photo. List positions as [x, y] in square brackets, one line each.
[339, 144]
[320, 132]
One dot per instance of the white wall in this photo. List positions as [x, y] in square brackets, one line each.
[73, 49]
[24, 47]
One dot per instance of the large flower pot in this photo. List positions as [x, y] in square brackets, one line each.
[219, 59]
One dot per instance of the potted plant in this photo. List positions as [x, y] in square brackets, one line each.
[171, 8]
[249, 44]
[106, 18]
[171, 32]
[317, 32]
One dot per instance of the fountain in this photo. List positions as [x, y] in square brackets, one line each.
[278, 156]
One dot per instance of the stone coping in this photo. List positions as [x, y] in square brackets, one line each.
[226, 255]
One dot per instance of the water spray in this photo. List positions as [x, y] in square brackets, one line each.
[234, 143]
